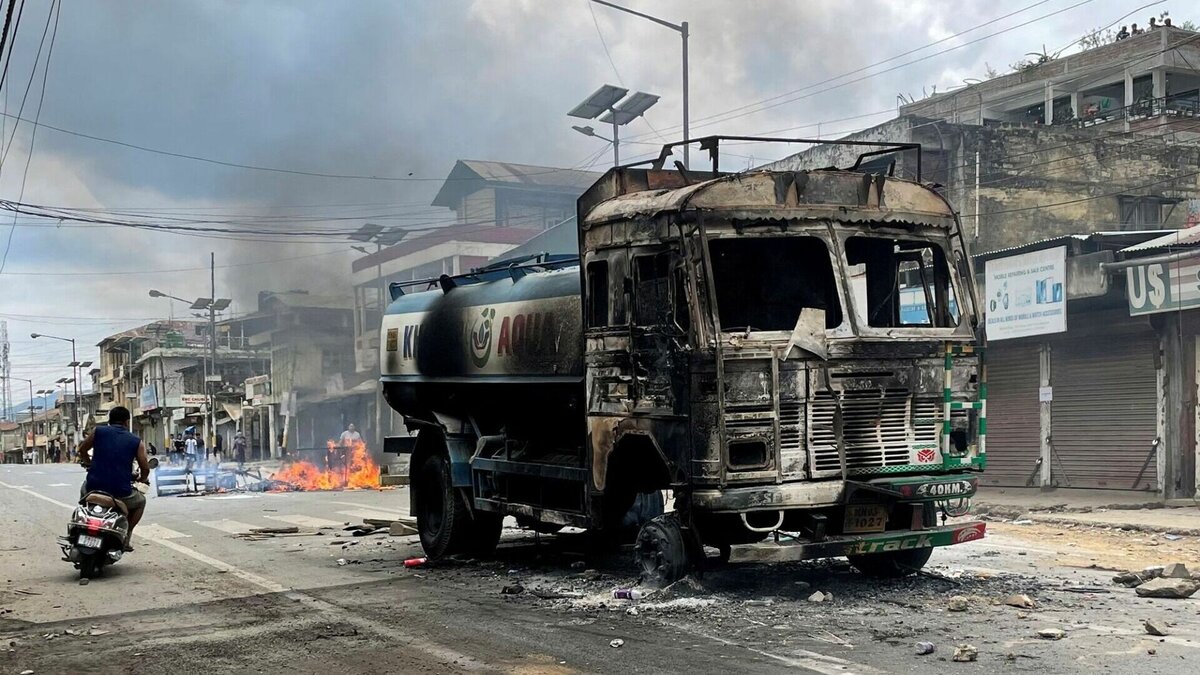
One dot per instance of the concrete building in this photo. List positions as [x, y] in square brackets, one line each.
[12, 443]
[1018, 171]
[1060, 171]
[311, 361]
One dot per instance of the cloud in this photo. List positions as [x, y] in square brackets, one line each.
[389, 88]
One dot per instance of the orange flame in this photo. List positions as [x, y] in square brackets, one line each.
[346, 468]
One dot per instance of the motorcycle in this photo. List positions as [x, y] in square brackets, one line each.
[98, 530]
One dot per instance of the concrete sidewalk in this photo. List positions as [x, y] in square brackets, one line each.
[1137, 511]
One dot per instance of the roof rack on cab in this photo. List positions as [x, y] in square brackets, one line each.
[713, 143]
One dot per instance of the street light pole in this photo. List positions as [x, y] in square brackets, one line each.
[682, 29]
[74, 372]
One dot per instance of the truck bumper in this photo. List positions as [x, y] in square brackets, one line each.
[790, 551]
[817, 494]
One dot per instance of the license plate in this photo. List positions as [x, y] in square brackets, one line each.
[865, 518]
[89, 541]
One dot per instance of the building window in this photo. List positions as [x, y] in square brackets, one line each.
[1141, 212]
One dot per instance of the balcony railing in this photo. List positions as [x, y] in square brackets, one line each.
[1175, 105]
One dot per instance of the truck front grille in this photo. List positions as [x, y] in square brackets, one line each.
[879, 429]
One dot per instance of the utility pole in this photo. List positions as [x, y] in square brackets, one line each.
[212, 336]
[682, 29]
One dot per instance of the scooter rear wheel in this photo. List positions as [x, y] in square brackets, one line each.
[89, 567]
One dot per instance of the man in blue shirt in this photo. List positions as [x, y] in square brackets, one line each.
[108, 453]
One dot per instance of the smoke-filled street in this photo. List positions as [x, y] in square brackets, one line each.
[599, 336]
[195, 597]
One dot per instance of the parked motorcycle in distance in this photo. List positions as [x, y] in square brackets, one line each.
[97, 531]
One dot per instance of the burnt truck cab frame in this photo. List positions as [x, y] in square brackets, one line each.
[792, 354]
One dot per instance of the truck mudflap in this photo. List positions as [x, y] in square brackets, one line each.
[882, 542]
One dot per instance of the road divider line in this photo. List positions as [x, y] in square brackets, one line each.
[372, 514]
[382, 630]
[306, 521]
[227, 526]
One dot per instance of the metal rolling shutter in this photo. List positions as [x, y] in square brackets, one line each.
[1013, 444]
[1103, 419]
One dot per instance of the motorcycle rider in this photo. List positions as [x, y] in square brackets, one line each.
[107, 453]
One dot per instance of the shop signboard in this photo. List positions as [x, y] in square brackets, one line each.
[148, 400]
[1163, 287]
[1026, 294]
[193, 400]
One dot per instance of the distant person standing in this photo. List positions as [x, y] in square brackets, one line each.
[189, 447]
[239, 448]
[201, 452]
[218, 446]
[349, 437]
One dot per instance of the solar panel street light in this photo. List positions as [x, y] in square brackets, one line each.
[366, 233]
[601, 100]
[604, 103]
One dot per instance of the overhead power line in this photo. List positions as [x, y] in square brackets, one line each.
[783, 99]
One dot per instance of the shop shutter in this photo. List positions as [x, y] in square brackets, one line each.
[1013, 444]
[1104, 415]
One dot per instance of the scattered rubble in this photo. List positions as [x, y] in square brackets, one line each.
[1167, 588]
[965, 653]
[1020, 600]
[1176, 571]
[1052, 633]
[924, 648]
[958, 603]
[616, 643]
[1157, 628]
[818, 597]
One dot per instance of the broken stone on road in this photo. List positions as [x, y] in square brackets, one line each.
[1163, 587]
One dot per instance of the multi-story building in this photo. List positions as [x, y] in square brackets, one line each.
[1059, 170]
[309, 340]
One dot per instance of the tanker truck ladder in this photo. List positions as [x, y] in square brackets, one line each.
[949, 405]
[514, 268]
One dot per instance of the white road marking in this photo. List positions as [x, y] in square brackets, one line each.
[154, 530]
[801, 658]
[307, 521]
[372, 514]
[59, 485]
[226, 525]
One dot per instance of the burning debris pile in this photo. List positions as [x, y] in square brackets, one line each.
[346, 467]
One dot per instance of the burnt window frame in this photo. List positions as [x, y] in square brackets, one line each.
[836, 291]
[941, 245]
[598, 285]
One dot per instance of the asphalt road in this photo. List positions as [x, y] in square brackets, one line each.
[193, 598]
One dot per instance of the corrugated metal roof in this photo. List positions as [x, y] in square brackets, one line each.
[1188, 236]
[466, 175]
[1110, 238]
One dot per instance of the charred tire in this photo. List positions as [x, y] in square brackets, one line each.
[661, 551]
[443, 521]
[483, 534]
[893, 564]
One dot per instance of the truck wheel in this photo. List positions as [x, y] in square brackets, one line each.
[893, 564]
[442, 519]
[483, 534]
[661, 551]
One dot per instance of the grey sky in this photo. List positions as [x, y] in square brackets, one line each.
[393, 88]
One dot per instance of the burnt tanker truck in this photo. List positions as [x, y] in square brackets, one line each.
[792, 356]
